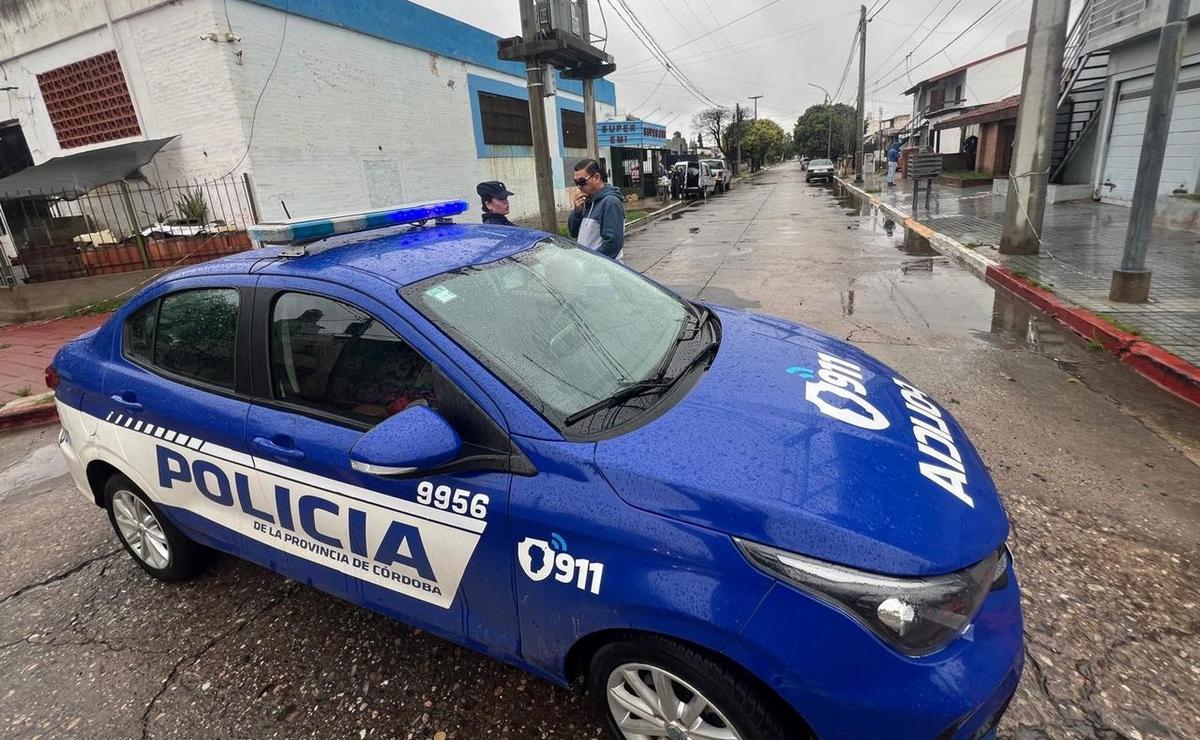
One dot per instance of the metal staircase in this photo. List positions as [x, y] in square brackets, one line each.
[1084, 77]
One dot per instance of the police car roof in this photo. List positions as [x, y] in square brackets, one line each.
[399, 255]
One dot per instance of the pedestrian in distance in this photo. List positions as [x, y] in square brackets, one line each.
[970, 147]
[893, 157]
[598, 221]
[495, 202]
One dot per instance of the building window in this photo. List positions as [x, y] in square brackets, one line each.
[958, 98]
[574, 131]
[937, 98]
[505, 120]
[88, 101]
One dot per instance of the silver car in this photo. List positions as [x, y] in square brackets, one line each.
[819, 169]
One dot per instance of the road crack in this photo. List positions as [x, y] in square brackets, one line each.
[58, 576]
[194, 657]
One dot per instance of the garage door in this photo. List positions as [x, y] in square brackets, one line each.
[1181, 165]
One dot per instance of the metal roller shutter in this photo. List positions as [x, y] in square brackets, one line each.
[1181, 165]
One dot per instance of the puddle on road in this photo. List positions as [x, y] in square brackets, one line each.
[915, 282]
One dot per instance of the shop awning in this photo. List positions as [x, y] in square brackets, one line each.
[75, 174]
[1001, 110]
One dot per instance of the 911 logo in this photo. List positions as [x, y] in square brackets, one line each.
[539, 558]
[838, 391]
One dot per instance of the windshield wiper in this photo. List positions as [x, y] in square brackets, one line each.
[626, 393]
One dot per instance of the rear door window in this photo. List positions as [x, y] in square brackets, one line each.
[191, 334]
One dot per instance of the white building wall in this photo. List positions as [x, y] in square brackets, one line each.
[347, 121]
[995, 79]
[350, 121]
[179, 84]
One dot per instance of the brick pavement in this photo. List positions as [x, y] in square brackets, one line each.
[1082, 243]
[26, 350]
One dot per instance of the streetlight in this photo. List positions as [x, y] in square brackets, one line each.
[829, 119]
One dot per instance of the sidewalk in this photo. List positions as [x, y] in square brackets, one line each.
[26, 350]
[1082, 243]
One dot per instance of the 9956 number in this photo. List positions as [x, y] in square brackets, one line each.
[457, 500]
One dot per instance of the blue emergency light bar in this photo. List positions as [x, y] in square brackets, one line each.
[299, 231]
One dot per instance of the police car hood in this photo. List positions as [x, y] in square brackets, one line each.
[772, 446]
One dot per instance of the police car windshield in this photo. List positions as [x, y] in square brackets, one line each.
[564, 326]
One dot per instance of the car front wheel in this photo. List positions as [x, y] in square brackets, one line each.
[154, 543]
[654, 687]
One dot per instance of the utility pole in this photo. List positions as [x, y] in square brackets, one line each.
[589, 90]
[537, 123]
[737, 130]
[1041, 84]
[755, 99]
[862, 91]
[1131, 283]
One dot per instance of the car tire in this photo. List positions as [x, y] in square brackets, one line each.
[733, 700]
[150, 538]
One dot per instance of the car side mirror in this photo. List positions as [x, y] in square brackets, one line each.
[415, 439]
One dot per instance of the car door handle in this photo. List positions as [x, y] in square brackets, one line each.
[266, 446]
[125, 403]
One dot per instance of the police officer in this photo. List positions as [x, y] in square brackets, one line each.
[495, 202]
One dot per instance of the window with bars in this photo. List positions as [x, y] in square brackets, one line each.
[89, 102]
[505, 120]
[574, 133]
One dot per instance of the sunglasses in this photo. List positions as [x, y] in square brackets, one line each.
[581, 181]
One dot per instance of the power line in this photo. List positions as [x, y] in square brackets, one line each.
[651, 95]
[646, 39]
[911, 33]
[849, 62]
[974, 23]
[757, 42]
[932, 29]
[691, 41]
[877, 12]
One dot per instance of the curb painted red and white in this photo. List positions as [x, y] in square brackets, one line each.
[1152, 362]
[29, 416]
[1167, 371]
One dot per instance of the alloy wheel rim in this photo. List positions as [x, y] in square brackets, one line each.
[648, 703]
[141, 530]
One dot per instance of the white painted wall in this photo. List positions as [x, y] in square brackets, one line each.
[347, 121]
[995, 79]
[350, 121]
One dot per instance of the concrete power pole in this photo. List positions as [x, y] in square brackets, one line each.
[860, 157]
[1041, 84]
[589, 90]
[737, 131]
[537, 123]
[1131, 283]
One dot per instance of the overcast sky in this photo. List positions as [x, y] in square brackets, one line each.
[775, 51]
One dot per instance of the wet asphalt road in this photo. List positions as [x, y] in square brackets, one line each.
[1099, 470]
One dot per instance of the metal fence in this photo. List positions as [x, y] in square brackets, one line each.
[125, 226]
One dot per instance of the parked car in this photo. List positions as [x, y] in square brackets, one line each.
[698, 180]
[722, 174]
[804, 163]
[724, 524]
[819, 169]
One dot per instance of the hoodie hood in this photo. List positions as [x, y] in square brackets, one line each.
[608, 191]
[800, 441]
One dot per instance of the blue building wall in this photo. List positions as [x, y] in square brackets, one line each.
[409, 24]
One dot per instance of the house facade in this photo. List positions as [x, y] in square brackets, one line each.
[952, 94]
[330, 106]
[1108, 75]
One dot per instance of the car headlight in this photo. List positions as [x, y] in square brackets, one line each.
[917, 616]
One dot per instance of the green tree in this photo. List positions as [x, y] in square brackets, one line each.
[825, 128]
[764, 140]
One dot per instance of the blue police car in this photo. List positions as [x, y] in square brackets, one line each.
[725, 525]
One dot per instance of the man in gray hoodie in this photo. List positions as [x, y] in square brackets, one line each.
[598, 221]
